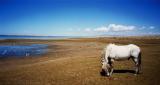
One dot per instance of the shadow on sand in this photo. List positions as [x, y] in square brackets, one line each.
[118, 71]
[123, 71]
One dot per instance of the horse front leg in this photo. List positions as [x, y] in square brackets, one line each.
[111, 66]
[111, 70]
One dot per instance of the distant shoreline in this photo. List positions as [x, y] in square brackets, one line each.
[29, 37]
[3, 37]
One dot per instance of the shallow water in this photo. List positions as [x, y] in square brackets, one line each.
[22, 50]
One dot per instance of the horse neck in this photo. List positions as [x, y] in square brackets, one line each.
[106, 52]
[107, 55]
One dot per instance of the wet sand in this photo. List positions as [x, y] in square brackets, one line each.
[77, 62]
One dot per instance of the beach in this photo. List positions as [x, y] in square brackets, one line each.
[77, 61]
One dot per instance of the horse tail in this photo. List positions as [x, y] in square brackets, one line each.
[139, 62]
[139, 59]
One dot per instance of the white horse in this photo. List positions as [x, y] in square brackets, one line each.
[114, 52]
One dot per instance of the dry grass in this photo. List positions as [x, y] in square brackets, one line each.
[77, 62]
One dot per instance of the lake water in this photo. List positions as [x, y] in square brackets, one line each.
[22, 50]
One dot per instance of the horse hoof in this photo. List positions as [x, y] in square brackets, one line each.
[135, 74]
[108, 75]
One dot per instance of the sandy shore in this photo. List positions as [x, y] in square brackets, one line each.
[77, 62]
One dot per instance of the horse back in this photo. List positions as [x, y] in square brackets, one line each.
[123, 51]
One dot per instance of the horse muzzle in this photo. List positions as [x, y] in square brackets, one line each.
[103, 73]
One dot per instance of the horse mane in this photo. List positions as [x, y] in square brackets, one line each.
[111, 44]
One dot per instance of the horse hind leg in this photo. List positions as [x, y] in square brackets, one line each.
[136, 65]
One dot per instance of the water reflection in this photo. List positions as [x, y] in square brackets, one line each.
[22, 50]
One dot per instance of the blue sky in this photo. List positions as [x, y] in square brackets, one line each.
[79, 17]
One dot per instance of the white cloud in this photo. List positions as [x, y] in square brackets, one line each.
[114, 27]
[151, 27]
[109, 29]
[101, 29]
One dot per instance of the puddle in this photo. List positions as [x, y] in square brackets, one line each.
[22, 50]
